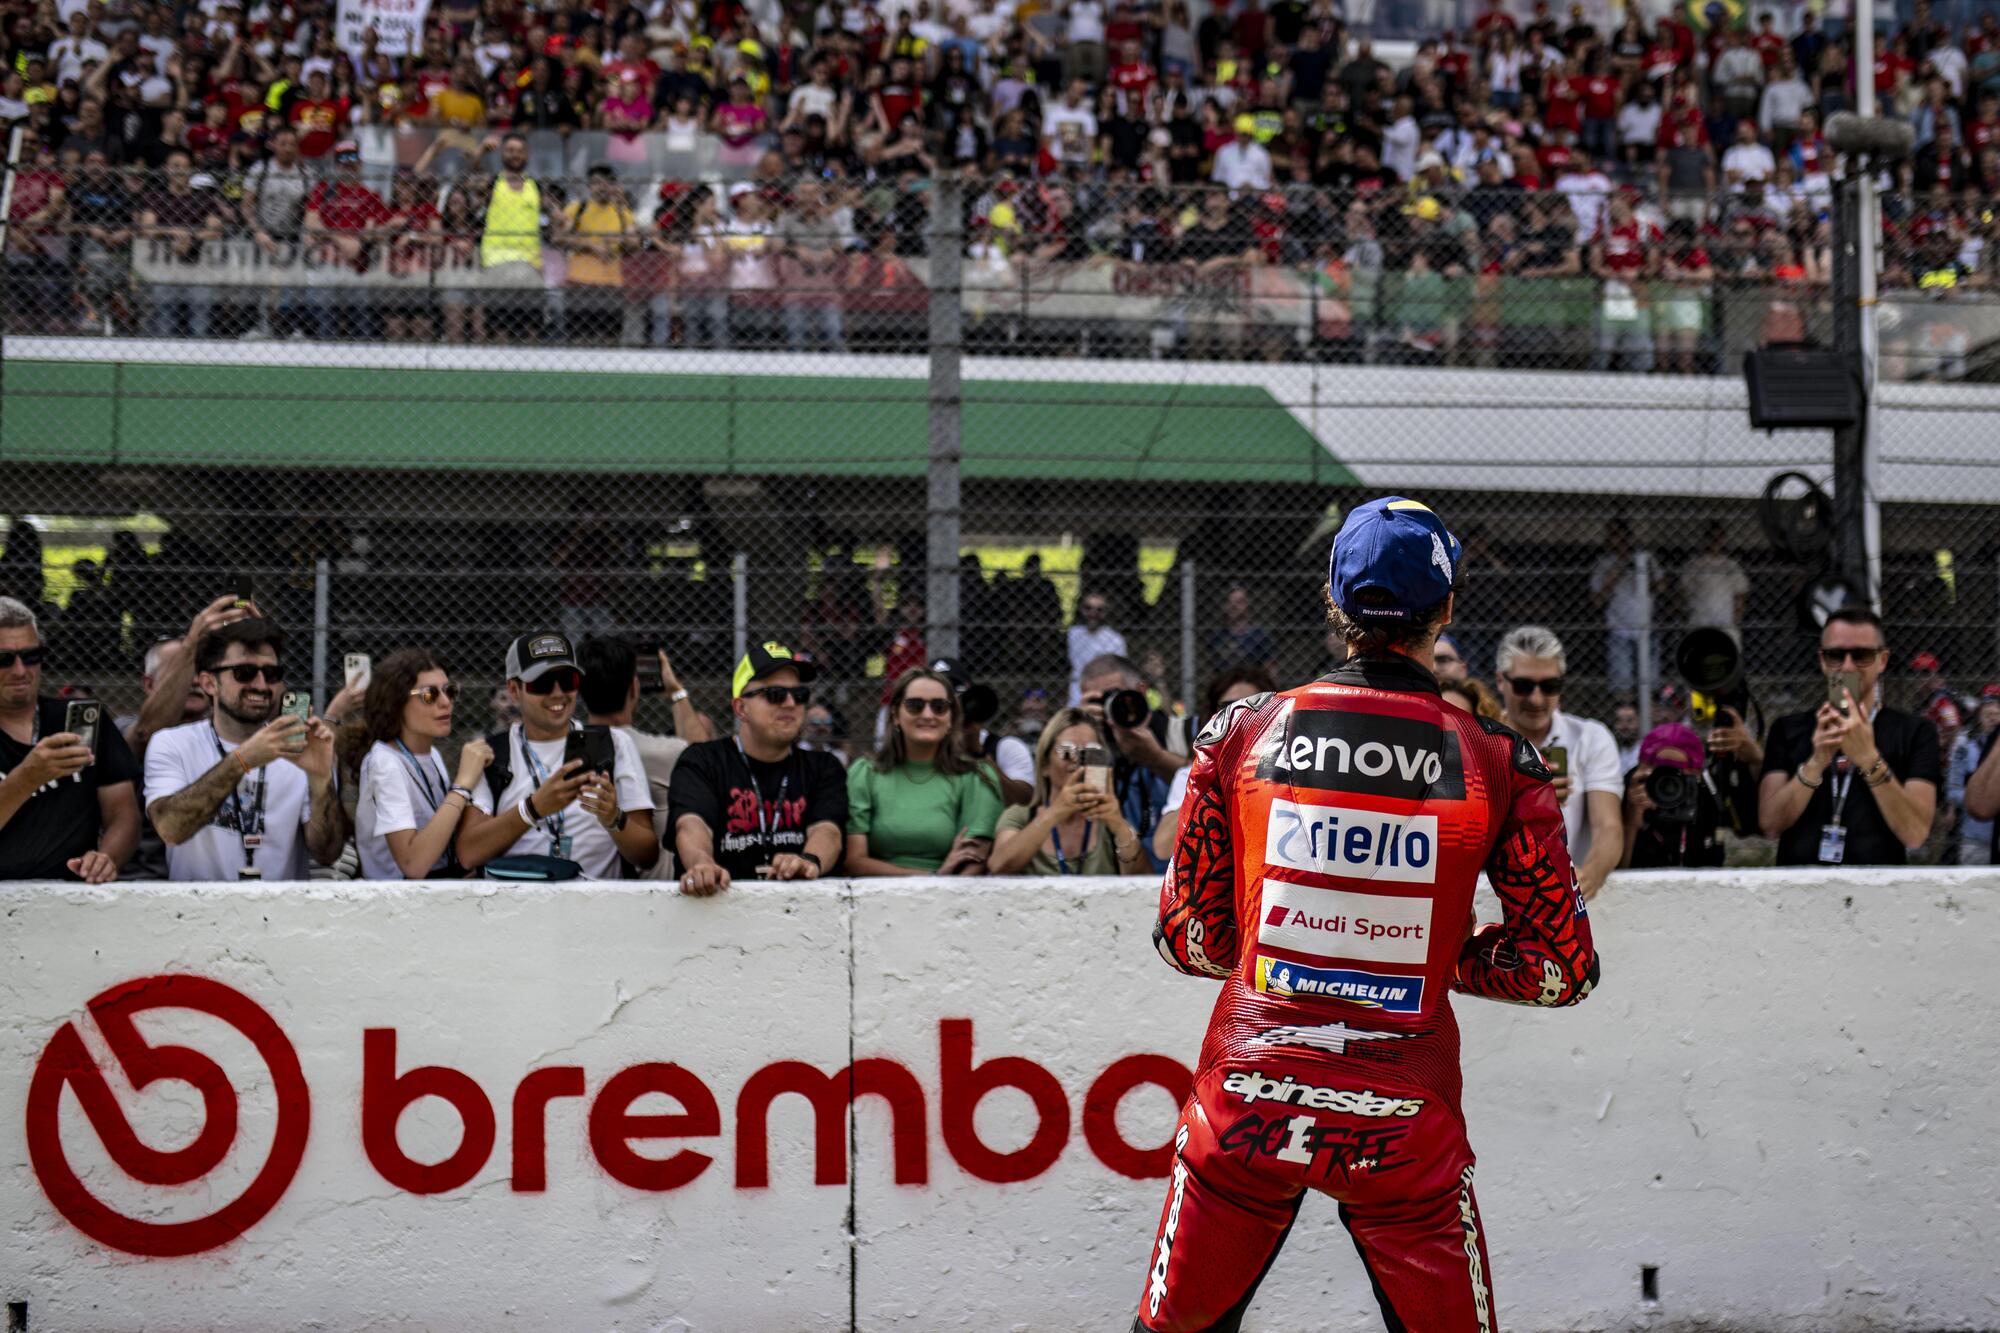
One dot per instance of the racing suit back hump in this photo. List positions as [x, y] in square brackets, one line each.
[1329, 845]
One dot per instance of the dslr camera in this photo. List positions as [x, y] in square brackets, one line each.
[1126, 708]
[1675, 793]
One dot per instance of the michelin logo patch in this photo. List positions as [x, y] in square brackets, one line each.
[1371, 990]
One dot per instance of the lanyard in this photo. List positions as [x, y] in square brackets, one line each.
[250, 827]
[551, 824]
[1062, 862]
[768, 817]
[1842, 781]
[418, 771]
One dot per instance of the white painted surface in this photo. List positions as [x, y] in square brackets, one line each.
[1781, 1096]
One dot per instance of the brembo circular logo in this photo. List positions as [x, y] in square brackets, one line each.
[67, 1060]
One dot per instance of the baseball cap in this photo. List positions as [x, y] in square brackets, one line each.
[741, 188]
[1673, 736]
[533, 656]
[346, 148]
[1991, 691]
[1399, 549]
[1246, 124]
[1926, 661]
[763, 659]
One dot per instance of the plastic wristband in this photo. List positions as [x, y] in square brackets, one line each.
[527, 810]
[237, 755]
[678, 696]
[466, 792]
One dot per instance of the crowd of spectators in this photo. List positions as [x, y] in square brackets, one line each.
[1656, 163]
[827, 761]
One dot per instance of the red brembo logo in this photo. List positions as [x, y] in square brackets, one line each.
[614, 1127]
[66, 1060]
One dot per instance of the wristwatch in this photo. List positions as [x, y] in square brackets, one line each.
[678, 696]
[618, 824]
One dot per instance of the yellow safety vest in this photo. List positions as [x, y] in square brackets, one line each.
[513, 225]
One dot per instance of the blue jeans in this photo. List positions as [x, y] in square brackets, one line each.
[822, 319]
[170, 299]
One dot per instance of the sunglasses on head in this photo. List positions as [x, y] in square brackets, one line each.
[430, 694]
[776, 695]
[916, 707]
[550, 681]
[1525, 686]
[1859, 656]
[246, 673]
[27, 657]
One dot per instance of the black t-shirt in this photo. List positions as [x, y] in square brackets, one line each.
[1662, 844]
[739, 798]
[61, 820]
[1993, 853]
[1909, 743]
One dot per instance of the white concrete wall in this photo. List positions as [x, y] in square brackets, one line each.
[1782, 1096]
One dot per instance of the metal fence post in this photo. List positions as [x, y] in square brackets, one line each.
[322, 607]
[739, 584]
[947, 340]
[1645, 672]
[1187, 633]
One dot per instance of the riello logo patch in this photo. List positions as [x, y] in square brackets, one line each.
[614, 1126]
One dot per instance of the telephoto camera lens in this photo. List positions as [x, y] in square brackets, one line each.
[1127, 708]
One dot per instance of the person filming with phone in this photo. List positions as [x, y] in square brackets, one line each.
[67, 804]
[1850, 782]
[552, 789]
[1581, 753]
[248, 792]
[1074, 826]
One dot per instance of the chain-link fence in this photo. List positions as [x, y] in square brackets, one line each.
[450, 409]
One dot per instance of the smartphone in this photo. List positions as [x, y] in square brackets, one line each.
[650, 681]
[1841, 684]
[80, 719]
[1096, 764]
[356, 669]
[246, 590]
[593, 746]
[298, 704]
[1557, 758]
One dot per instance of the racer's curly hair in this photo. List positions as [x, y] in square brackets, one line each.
[1379, 640]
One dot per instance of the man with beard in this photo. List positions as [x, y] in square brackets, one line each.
[248, 793]
[754, 805]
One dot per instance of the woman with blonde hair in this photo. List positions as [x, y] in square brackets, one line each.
[1073, 828]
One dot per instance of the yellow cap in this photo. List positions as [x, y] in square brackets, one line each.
[1246, 124]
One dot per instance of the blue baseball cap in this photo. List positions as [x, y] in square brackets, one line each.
[1399, 548]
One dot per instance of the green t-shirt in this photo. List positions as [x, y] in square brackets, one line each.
[913, 814]
[1099, 858]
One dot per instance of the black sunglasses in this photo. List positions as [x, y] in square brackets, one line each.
[430, 694]
[1859, 656]
[917, 707]
[1525, 686]
[550, 681]
[27, 657]
[246, 673]
[776, 695]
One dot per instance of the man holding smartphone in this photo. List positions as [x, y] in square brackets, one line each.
[247, 793]
[1850, 782]
[1581, 753]
[68, 809]
[539, 798]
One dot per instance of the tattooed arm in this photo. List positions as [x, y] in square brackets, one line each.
[1196, 932]
[1542, 952]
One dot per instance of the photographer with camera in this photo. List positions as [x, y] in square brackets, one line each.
[1112, 690]
[1850, 783]
[1010, 756]
[1672, 817]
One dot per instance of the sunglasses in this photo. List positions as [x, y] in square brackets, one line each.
[776, 695]
[430, 694]
[917, 707]
[550, 681]
[27, 657]
[1525, 686]
[246, 673]
[1833, 657]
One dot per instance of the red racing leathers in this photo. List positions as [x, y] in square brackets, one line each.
[1329, 844]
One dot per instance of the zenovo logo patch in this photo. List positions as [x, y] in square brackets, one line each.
[66, 1060]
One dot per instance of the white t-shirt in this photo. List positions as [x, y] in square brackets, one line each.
[393, 798]
[813, 100]
[176, 759]
[1012, 757]
[1176, 794]
[1747, 162]
[1618, 580]
[1085, 644]
[1086, 22]
[1060, 114]
[591, 844]
[1593, 766]
[1711, 584]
